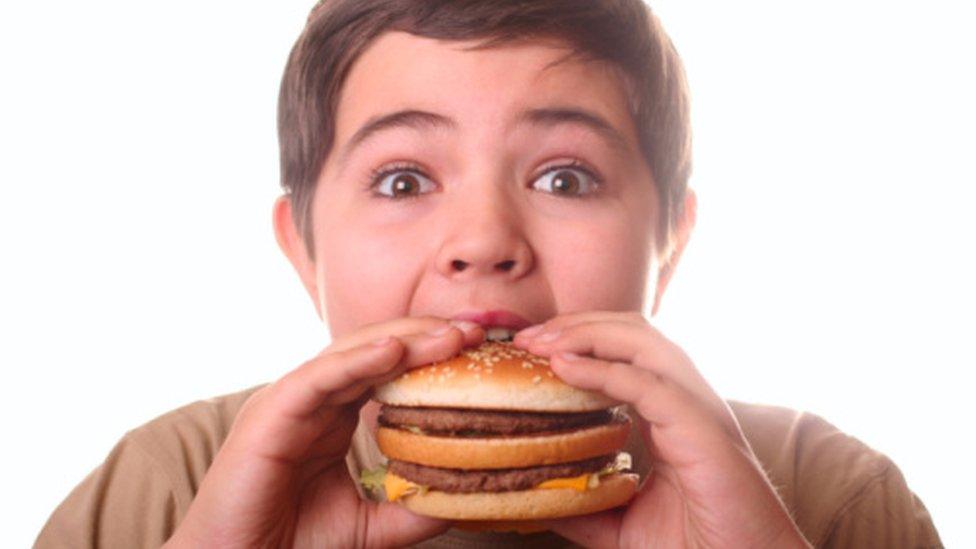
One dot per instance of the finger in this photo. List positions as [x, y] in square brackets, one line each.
[319, 381]
[405, 326]
[291, 414]
[391, 525]
[634, 341]
[656, 399]
[417, 354]
[597, 530]
[624, 340]
[609, 339]
[676, 412]
[288, 414]
[565, 320]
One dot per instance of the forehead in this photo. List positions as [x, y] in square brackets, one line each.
[483, 90]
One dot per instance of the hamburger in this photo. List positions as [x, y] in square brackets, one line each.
[493, 435]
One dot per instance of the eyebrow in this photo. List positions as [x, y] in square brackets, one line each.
[412, 119]
[546, 117]
[550, 117]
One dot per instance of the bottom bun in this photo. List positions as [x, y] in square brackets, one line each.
[538, 503]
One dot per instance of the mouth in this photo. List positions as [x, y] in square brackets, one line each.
[499, 325]
[499, 334]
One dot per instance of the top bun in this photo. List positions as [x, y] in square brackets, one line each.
[494, 376]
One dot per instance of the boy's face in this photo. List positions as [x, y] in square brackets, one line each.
[482, 221]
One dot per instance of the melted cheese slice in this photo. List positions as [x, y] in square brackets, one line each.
[396, 487]
[576, 483]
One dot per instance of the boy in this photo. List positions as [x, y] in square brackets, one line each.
[447, 159]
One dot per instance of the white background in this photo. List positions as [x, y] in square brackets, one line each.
[831, 270]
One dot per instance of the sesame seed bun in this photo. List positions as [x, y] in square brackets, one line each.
[496, 376]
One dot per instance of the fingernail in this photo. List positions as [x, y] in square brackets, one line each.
[384, 341]
[531, 331]
[439, 331]
[464, 325]
[570, 357]
[548, 336]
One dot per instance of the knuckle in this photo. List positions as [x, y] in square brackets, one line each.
[255, 401]
[457, 335]
[286, 383]
[400, 326]
[428, 321]
[412, 326]
[453, 338]
[640, 324]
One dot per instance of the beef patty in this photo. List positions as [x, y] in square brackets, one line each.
[455, 422]
[493, 480]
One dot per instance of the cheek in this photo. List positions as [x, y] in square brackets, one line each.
[365, 274]
[602, 266]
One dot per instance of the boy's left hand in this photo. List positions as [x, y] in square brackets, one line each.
[706, 487]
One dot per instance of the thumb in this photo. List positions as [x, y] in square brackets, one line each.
[391, 525]
[596, 530]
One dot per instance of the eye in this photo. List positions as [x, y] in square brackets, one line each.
[571, 181]
[399, 182]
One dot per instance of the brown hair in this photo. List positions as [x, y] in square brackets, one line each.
[622, 32]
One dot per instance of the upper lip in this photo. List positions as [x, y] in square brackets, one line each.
[499, 318]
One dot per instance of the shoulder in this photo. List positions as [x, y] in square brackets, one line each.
[789, 442]
[827, 477]
[139, 493]
[205, 421]
[187, 439]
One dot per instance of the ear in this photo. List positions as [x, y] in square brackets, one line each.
[682, 233]
[293, 246]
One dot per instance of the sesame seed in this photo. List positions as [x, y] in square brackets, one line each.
[536, 379]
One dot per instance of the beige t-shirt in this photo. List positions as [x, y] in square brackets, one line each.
[840, 492]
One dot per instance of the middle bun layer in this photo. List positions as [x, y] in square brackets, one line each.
[502, 452]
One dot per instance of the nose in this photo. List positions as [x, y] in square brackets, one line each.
[487, 238]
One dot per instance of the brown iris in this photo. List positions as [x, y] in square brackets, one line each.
[406, 185]
[565, 182]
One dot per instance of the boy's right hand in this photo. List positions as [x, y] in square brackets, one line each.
[280, 478]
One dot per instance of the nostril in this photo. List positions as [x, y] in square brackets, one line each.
[458, 265]
[506, 265]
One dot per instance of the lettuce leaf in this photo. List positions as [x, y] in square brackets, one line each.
[372, 479]
[622, 463]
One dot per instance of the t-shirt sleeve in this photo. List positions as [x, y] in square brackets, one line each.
[127, 501]
[885, 513]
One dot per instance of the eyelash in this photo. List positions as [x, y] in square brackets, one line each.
[377, 175]
[577, 165]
